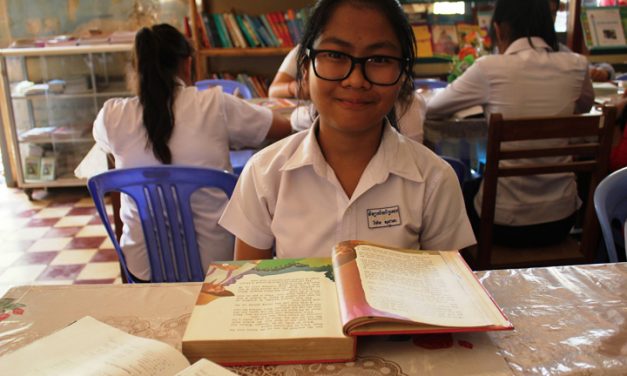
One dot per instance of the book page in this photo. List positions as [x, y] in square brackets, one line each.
[417, 285]
[89, 346]
[267, 302]
[205, 367]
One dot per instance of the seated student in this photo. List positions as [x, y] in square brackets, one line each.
[169, 122]
[351, 175]
[409, 114]
[528, 78]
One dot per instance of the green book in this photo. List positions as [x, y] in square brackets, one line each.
[222, 33]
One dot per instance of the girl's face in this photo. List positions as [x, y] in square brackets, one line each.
[354, 104]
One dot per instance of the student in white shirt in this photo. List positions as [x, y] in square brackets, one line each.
[408, 117]
[351, 175]
[171, 123]
[528, 78]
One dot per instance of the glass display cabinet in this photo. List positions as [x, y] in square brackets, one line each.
[51, 97]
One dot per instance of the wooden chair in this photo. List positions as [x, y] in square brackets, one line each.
[590, 140]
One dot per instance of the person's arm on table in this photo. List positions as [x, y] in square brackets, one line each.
[244, 251]
[283, 86]
[470, 89]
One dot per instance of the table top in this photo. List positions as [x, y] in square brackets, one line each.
[568, 320]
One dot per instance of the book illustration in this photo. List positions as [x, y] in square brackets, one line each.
[8, 307]
[220, 276]
[445, 41]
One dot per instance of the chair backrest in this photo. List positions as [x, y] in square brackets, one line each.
[590, 139]
[162, 195]
[429, 83]
[622, 77]
[610, 202]
[228, 86]
[458, 166]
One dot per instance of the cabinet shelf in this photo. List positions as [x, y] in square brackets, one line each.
[234, 52]
[48, 132]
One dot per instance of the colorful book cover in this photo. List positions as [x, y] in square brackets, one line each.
[249, 39]
[445, 41]
[270, 26]
[424, 46]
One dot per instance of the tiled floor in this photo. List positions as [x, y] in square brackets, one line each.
[55, 239]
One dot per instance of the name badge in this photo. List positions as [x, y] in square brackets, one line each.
[384, 217]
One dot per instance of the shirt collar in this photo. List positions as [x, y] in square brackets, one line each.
[392, 157]
[179, 82]
[522, 44]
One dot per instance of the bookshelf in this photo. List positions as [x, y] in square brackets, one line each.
[262, 61]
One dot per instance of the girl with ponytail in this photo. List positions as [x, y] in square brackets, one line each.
[170, 122]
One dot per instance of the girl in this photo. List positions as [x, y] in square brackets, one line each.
[171, 123]
[528, 78]
[351, 175]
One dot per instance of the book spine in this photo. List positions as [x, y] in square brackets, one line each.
[202, 31]
[224, 36]
[235, 30]
[263, 32]
[210, 33]
[290, 20]
[277, 18]
[247, 22]
[267, 20]
[249, 38]
[188, 28]
[283, 24]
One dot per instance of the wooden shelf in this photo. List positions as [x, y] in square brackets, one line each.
[236, 52]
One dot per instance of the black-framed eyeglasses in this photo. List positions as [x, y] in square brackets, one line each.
[333, 65]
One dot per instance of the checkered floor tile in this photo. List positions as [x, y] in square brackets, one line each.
[55, 239]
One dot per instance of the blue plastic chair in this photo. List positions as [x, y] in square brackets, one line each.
[239, 158]
[610, 203]
[458, 166]
[228, 86]
[429, 83]
[162, 195]
[622, 77]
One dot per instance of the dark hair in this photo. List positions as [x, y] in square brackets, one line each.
[158, 53]
[525, 19]
[392, 10]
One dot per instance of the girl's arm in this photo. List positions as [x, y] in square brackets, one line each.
[280, 127]
[244, 251]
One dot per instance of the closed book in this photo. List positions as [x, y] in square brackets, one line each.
[292, 26]
[311, 309]
[282, 27]
[248, 25]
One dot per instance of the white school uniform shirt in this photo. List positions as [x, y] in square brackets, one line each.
[206, 124]
[525, 81]
[289, 197]
[410, 121]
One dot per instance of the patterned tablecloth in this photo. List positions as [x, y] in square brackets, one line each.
[569, 320]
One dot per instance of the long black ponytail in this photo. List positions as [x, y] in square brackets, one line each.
[158, 53]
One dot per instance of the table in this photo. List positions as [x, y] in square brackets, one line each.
[464, 139]
[570, 320]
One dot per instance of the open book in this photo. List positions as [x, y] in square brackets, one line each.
[90, 347]
[311, 309]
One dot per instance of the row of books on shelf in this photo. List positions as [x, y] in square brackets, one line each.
[257, 84]
[234, 30]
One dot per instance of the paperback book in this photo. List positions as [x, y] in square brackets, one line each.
[312, 309]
